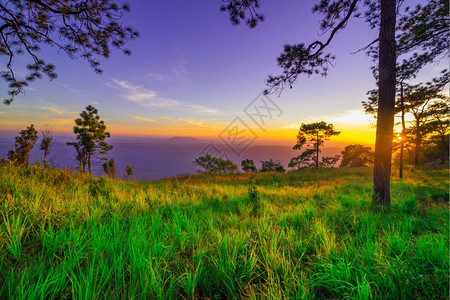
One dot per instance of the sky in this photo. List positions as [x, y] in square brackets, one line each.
[192, 73]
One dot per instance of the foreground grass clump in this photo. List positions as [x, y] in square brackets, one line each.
[307, 234]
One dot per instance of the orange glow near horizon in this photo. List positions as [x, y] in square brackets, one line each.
[357, 134]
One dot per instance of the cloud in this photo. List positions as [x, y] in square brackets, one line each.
[352, 117]
[201, 108]
[71, 89]
[199, 124]
[52, 109]
[291, 126]
[151, 99]
[141, 95]
[180, 70]
[157, 76]
[143, 119]
[58, 111]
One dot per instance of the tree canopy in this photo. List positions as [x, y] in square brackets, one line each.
[85, 29]
[23, 145]
[248, 165]
[214, 165]
[314, 136]
[271, 166]
[91, 134]
[357, 156]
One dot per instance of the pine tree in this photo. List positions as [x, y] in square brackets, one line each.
[23, 145]
[91, 134]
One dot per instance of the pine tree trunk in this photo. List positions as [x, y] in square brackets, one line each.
[443, 146]
[317, 151]
[45, 157]
[418, 143]
[89, 163]
[400, 172]
[386, 104]
[402, 140]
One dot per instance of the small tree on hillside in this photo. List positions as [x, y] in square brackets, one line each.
[248, 165]
[312, 135]
[128, 172]
[46, 142]
[91, 134]
[211, 164]
[23, 145]
[357, 156]
[271, 166]
[109, 167]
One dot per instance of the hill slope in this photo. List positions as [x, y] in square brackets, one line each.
[298, 235]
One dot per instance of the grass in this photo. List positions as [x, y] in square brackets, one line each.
[301, 235]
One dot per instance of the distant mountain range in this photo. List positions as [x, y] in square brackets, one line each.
[160, 157]
[183, 140]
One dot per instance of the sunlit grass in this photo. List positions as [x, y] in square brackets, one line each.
[301, 235]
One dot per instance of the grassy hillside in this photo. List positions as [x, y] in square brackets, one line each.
[307, 234]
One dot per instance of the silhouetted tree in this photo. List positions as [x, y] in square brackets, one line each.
[109, 167]
[23, 145]
[417, 99]
[79, 28]
[312, 135]
[81, 155]
[438, 126]
[308, 160]
[211, 164]
[129, 171]
[46, 142]
[424, 29]
[357, 156]
[271, 166]
[330, 161]
[91, 134]
[248, 165]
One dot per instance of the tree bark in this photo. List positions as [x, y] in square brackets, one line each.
[443, 150]
[386, 104]
[402, 140]
[89, 163]
[418, 143]
[317, 151]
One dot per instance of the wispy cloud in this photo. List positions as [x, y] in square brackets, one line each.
[180, 70]
[57, 110]
[177, 70]
[201, 108]
[352, 117]
[151, 99]
[52, 109]
[143, 119]
[71, 89]
[157, 76]
[142, 95]
[291, 126]
[199, 124]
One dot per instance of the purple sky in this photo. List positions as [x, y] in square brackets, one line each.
[191, 73]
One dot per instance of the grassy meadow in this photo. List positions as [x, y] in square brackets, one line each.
[302, 235]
